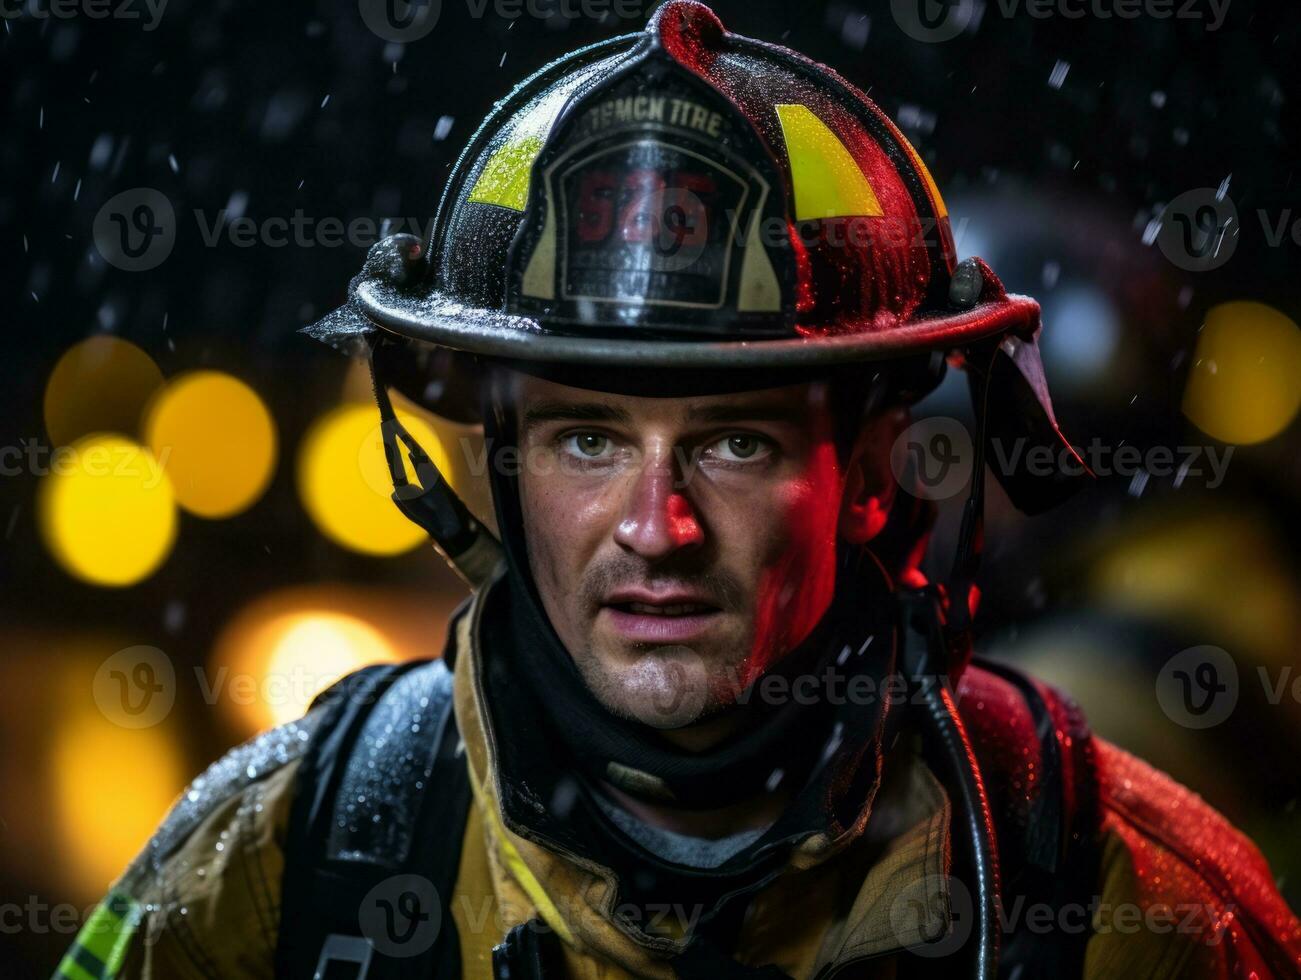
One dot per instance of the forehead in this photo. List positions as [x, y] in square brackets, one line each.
[538, 400]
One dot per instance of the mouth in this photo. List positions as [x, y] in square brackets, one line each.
[667, 618]
[671, 609]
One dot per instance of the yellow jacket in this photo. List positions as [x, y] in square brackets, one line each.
[1180, 893]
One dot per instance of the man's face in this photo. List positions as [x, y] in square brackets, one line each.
[680, 545]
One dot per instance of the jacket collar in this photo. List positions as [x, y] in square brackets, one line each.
[898, 849]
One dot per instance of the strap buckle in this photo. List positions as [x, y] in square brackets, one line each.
[339, 948]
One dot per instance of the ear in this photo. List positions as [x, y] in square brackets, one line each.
[870, 484]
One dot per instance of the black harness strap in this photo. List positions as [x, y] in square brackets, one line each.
[372, 854]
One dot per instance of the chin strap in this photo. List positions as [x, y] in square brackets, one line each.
[431, 503]
[935, 647]
[971, 534]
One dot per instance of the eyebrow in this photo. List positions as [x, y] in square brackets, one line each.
[557, 411]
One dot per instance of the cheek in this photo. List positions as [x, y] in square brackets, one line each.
[563, 527]
[799, 579]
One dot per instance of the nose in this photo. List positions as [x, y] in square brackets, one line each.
[657, 519]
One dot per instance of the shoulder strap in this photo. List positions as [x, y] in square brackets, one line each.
[375, 832]
[1036, 757]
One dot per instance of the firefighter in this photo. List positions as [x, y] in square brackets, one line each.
[702, 715]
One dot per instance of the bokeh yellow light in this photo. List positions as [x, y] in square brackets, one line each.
[216, 439]
[344, 483]
[112, 787]
[106, 510]
[272, 668]
[1245, 384]
[1219, 571]
[101, 384]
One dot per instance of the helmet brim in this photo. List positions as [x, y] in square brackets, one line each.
[443, 322]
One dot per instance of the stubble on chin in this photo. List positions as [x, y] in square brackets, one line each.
[666, 686]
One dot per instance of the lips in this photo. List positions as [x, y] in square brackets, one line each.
[677, 609]
[666, 617]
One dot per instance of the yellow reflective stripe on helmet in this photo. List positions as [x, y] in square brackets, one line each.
[505, 177]
[101, 945]
[941, 209]
[828, 181]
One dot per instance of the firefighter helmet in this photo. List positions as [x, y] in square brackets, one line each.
[685, 197]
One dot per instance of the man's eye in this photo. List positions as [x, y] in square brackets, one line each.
[740, 447]
[590, 445]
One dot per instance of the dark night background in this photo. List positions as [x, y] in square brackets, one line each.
[277, 108]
